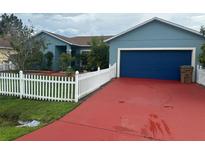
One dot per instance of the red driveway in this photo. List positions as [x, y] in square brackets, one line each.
[133, 109]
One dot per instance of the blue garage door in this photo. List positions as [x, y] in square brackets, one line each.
[153, 64]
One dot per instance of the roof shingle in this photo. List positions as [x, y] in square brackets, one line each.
[78, 40]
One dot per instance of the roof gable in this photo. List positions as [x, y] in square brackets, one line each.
[83, 41]
[159, 20]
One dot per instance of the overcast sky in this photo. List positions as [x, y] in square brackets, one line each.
[102, 24]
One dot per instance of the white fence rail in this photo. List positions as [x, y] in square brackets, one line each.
[38, 86]
[200, 75]
[7, 66]
[89, 82]
[56, 88]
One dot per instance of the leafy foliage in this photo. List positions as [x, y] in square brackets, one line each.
[35, 61]
[9, 24]
[65, 61]
[27, 48]
[99, 54]
[202, 30]
[84, 60]
[49, 59]
[202, 55]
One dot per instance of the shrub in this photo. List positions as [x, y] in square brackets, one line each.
[70, 71]
[65, 61]
[35, 60]
[99, 54]
[84, 60]
[49, 59]
[202, 56]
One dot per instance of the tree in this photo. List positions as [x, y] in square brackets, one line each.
[27, 49]
[99, 54]
[202, 56]
[49, 59]
[202, 30]
[9, 24]
[65, 61]
[34, 61]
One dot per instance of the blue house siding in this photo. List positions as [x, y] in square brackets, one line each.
[57, 47]
[76, 51]
[155, 35]
[53, 45]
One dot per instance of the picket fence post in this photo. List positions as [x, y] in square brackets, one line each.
[76, 86]
[21, 84]
[110, 72]
[10, 65]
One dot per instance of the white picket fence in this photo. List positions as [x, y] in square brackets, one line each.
[89, 82]
[200, 75]
[7, 66]
[55, 88]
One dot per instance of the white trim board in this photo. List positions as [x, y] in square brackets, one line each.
[140, 49]
[85, 50]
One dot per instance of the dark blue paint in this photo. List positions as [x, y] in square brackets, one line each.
[153, 64]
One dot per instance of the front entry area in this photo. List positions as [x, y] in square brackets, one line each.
[154, 64]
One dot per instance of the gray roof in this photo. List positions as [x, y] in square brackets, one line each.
[78, 40]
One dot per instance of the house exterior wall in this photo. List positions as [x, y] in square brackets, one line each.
[51, 44]
[4, 53]
[155, 35]
[76, 51]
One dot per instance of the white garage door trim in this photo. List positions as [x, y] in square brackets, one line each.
[140, 49]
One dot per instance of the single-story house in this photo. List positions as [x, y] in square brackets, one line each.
[155, 49]
[5, 50]
[58, 44]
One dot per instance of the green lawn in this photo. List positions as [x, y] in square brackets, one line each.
[13, 109]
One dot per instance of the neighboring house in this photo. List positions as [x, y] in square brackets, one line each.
[58, 44]
[5, 50]
[155, 49]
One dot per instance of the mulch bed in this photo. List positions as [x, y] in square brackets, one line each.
[49, 73]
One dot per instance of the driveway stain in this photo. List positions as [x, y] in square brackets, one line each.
[121, 102]
[123, 129]
[156, 128]
[169, 107]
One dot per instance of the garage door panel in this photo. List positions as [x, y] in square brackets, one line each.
[153, 64]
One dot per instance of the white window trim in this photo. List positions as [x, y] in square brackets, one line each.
[140, 49]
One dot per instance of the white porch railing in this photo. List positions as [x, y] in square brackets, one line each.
[200, 75]
[56, 88]
[7, 66]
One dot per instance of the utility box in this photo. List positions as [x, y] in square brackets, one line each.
[186, 72]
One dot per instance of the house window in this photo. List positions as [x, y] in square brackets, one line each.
[84, 51]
